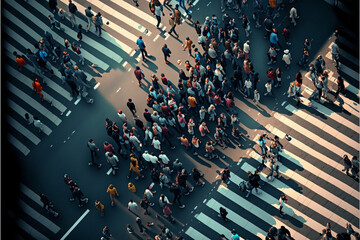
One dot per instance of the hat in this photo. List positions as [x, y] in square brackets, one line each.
[286, 51]
[207, 18]
[120, 111]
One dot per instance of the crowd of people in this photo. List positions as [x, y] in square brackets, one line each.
[200, 114]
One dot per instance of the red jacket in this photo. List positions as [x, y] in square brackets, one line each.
[271, 74]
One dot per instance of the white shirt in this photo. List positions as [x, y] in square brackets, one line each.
[286, 58]
[293, 12]
[147, 157]
[132, 206]
[122, 116]
[38, 124]
[158, 10]
[281, 202]
[248, 84]
[156, 143]
[257, 96]
[153, 159]
[268, 87]
[148, 193]
[164, 159]
[246, 48]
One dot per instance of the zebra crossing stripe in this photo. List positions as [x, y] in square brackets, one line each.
[38, 217]
[43, 26]
[310, 135]
[21, 129]
[347, 85]
[347, 55]
[294, 213]
[16, 143]
[195, 234]
[326, 128]
[34, 104]
[331, 114]
[266, 217]
[348, 71]
[301, 198]
[236, 218]
[326, 160]
[217, 227]
[30, 194]
[29, 229]
[19, 110]
[311, 185]
[319, 173]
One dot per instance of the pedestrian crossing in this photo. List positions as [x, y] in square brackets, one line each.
[311, 172]
[24, 25]
[32, 220]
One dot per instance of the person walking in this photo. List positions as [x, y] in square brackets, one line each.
[132, 187]
[139, 74]
[287, 58]
[76, 48]
[131, 106]
[158, 12]
[286, 34]
[293, 15]
[223, 213]
[77, 193]
[177, 14]
[225, 175]
[112, 160]
[112, 192]
[197, 175]
[282, 201]
[144, 203]
[38, 88]
[132, 206]
[246, 49]
[142, 48]
[134, 166]
[89, 15]
[52, 5]
[93, 149]
[38, 124]
[106, 233]
[72, 12]
[166, 52]
[188, 45]
[98, 23]
[99, 206]
[20, 60]
[140, 225]
[175, 189]
[173, 25]
[347, 164]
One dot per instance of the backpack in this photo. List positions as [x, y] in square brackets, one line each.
[242, 186]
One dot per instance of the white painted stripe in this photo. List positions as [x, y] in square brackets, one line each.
[34, 104]
[156, 38]
[194, 3]
[104, 34]
[319, 124]
[109, 171]
[349, 72]
[271, 220]
[347, 55]
[167, 35]
[330, 113]
[73, 34]
[301, 198]
[50, 82]
[30, 194]
[68, 113]
[311, 185]
[97, 85]
[43, 26]
[30, 230]
[164, 28]
[195, 234]
[347, 85]
[19, 110]
[182, 11]
[38, 217]
[217, 227]
[77, 100]
[319, 173]
[28, 82]
[323, 126]
[309, 150]
[130, 22]
[75, 224]
[21, 147]
[236, 218]
[21, 129]
[124, 64]
[292, 212]
[135, 11]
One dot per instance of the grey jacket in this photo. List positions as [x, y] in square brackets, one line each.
[92, 146]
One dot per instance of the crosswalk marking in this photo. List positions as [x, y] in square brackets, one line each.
[43, 26]
[331, 114]
[94, 44]
[195, 234]
[348, 71]
[38, 217]
[311, 185]
[323, 126]
[236, 218]
[21, 147]
[28, 82]
[301, 198]
[135, 11]
[217, 227]
[310, 135]
[347, 85]
[30, 230]
[271, 220]
[19, 110]
[293, 212]
[34, 104]
[326, 160]
[30, 194]
[346, 55]
[319, 173]
[21, 129]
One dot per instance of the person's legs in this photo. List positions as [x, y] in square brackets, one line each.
[158, 20]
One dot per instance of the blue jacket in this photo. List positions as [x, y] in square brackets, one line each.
[273, 38]
[140, 43]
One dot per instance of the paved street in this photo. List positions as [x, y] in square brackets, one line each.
[311, 165]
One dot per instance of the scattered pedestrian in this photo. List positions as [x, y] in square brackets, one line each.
[112, 192]
[166, 52]
[106, 233]
[93, 151]
[99, 206]
[188, 45]
[90, 16]
[142, 48]
[72, 12]
[98, 22]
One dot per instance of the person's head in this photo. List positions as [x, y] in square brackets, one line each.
[130, 100]
[140, 37]
[111, 186]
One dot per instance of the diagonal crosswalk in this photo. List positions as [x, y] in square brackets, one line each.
[24, 24]
[311, 171]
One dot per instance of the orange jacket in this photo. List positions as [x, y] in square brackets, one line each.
[36, 85]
